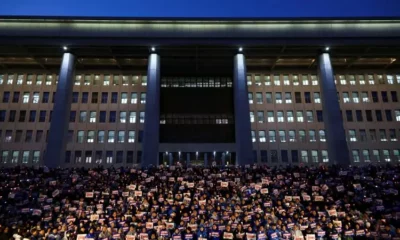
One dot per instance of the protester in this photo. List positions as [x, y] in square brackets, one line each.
[238, 203]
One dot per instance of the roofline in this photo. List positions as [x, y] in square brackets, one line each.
[58, 18]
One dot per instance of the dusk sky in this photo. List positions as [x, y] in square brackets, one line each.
[203, 8]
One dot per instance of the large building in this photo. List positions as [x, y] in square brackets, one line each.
[121, 92]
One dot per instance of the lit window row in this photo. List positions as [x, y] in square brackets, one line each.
[101, 157]
[279, 116]
[376, 156]
[122, 98]
[370, 78]
[259, 99]
[303, 156]
[24, 157]
[196, 82]
[372, 135]
[285, 80]
[30, 79]
[101, 136]
[356, 98]
[291, 136]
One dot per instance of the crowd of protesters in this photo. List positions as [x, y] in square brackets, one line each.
[250, 202]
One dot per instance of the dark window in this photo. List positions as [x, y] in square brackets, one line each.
[45, 98]
[369, 115]
[307, 97]
[72, 116]
[359, 115]
[95, 96]
[109, 155]
[53, 100]
[39, 135]
[11, 118]
[6, 97]
[139, 156]
[114, 97]
[113, 116]
[349, 115]
[18, 136]
[384, 96]
[297, 96]
[104, 97]
[15, 97]
[120, 156]
[274, 155]
[103, 116]
[320, 116]
[284, 155]
[129, 157]
[295, 156]
[264, 156]
[32, 116]
[2, 115]
[88, 154]
[388, 114]
[374, 96]
[85, 97]
[255, 156]
[42, 116]
[98, 156]
[75, 97]
[70, 136]
[394, 96]
[22, 115]
[28, 136]
[140, 137]
[67, 157]
[378, 115]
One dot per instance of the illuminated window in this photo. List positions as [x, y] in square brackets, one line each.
[289, 116]
[124, 98]
[317, 97]
[304, 156]
[314, 80]
[259, 98]
[20, 79]
[305, 80]
[398, 78]
[396, 154]
[141, 117]
[250, 97]
[35, 97]
[248, 80]
[356, 156]
[80, 136]
[397, 114]
[364, 96]
[144, 80]
[314, 156]
[10, 79]
[25, 98]
[262, 137]
[260, 116]
[380, 79]
[268, 96]
[1, 78]
[86, 80]
[111, 136]
[132, 117]
[252, 117]
[121, 136]
[325, 157]
[295, 80]
[280, 117]
[106, 81]
[352, 136]
[282, 135]
[78, 79]
[342, 80]
[366, 155]
[36, 156]
[292, 136]
[386, 155]
[100, 137]
[278, 98]
[29, 79]
[311, 134]
[96, 80]
[299, 115]
[382, 135]
[310, 116]
[346, 98]
[272, 136]
[277, 80]
[125, 80]
[90, 137]
[288, 97]
[122, 117]
[92, 118]
[371, 80]
[131, 136]
[355, 97]
[352, 80]
[115, 80]
[286, 81]
[267, 80]
[134, 98]
[322, 137]
[270, 116]
[257, 80]
[143, 98]
[253, 136]
[361, 79]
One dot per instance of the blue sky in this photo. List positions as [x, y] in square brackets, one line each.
[204, 8]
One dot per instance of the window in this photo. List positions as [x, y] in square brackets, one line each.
[349, 115]
[113, 117]
[121, 136]
[35, 97]
[278, 98]
[389, 79]
[268, 96]
[260, 116]
[378, 115]
[29, 79]
[22, 115]
[295, 79]
[374, 96]
[396, 154]
[77, 80]
[277, 81]
[28, 136]
[250, 97]
[346, 98]
[394, 96]
[132, 117]
[297, 96]
[45, 97]
[85, 97]
[289, 116]
[70, 136]
[259, 98]
[92, 117]
[366, 156]
[143, 98]
[369, 115]
[398, 78]
[305, 80]
[322, 137]
[386, 155]
[304, 156]
[392, 135]
[376, 155]
[384, 96]
[90, 137]
[311, 134]
[288, 97]
[320, 116]
[1, 78]
[140, 137]
[106, 81]
[299, 115]
[15, 97]
[267, 80]
[363, 135]
[122, 117]
[342, 80]
[252, 116]
[388, 114]
[307, 97]
[114, 97]
[134, 98]
[10, 79]
[131, 136]
[39, 135]
[82, 116]
[352, 136]
[116, 80]
[67, 157]
[292, 136]
[25, 98]
[364, 96]
[36, 157]
[302, 136]
[272, 136]
[103, 116]
[264, 156]
[355, 97]
[100, 137]
[6, 97]
[397, 114]
[356, 156]
[270, 116]
[372, 135]
[310, 117]
[129, 157]
[359, 116]
[317, 97]
[286, 81]
[8, 136]
[314, 156]
[2, 116]
[248, 80]
[111, 136]
[42, 116]
[135, 80]
[78, 156]
[280, 117]
[86, 80]
[32, 116]
[282, 135]
[262, 137]
[75, 97]
[125, 80]
[382, 135]
[11, 117]
[253, 136]
[371, 80]
[104, 97]
[120, 157]
[141, 117]
[80, 136]
[352, 79]
[20, 79]
[15, 157]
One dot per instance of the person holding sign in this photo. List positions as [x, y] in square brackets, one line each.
[228, 233]
[202, 232]
[215, 234]
[273, 233]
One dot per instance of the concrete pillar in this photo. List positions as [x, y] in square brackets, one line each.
[244, 145]
[152, 113]
[58, 132]
[170, 159]
[338, 150]
[205, 160]
[187, 159]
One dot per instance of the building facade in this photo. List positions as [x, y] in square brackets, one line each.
[124, 92]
